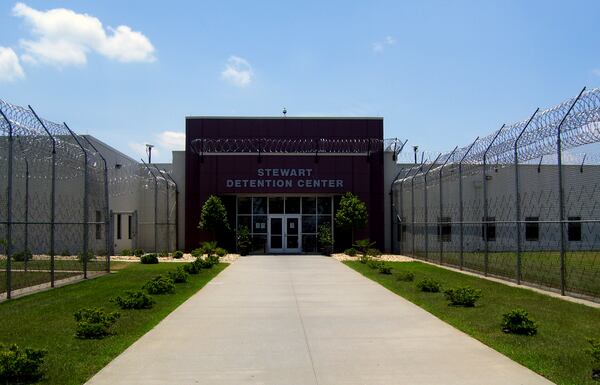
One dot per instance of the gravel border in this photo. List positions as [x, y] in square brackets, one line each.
[383, 257]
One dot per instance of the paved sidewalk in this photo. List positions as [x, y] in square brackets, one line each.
[306, 320]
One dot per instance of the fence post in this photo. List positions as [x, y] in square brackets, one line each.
[394, 157]
[440, 240]
[155, 206]
[167, 201]
[9, 188]
[412, 209]
[107, 216]
[26, 235]
[460, 203]
[518, 197]
[561, 198]
[425, 206]
[86, 214]
[485, 204]
[52, 196]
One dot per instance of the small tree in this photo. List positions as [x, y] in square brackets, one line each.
[352, 214]
[214, 216]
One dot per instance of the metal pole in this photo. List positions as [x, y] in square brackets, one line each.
[167, 201]
[86, 204]
[392, 198]
[52, 197]
[107, 216]
[561, 198]
[9, 188]
[426, 207]
[441, 241]
[485, 203]
[155, 206]
[518, 198]
[460, 204]
[26, 203]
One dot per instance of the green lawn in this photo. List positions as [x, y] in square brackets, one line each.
[45, 320]
[537, 267]
[557, 352]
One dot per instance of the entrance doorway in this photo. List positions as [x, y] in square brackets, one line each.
[284, 234]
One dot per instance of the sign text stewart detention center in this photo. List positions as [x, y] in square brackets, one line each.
[284, 178]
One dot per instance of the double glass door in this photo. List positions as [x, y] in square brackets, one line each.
[284, 234]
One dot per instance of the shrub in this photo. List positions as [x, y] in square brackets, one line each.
[352, 213]
[405, 277]
[192, 268]
[159, 285]
[149, 259]
[374, 252]
[22, 256]
[363, 245]
[374, 264]
[387, 270]
[178, 254]
[463, 296]
[221, 252]
[138, 252]
[163, 254]
[351, 252]
[209, 247]
[594, 352]
[244, 243]
[179, 275]
[20, 366]
[325, 238]
[126, 252]
[517, 321]
[429, 285]
[94, 323]
[210, 261]
[134, 300]
[213, 216]
[197, 252]
[364, 258]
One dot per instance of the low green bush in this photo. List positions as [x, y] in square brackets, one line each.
[22, 256]
[163, 254]
[138, 252]
[517, 321]
[199, 252]
[178, 254]
[149, 259]
[210, 261]
[134, 300]
[126, 252]
[192, 267]
[21, 366]
[220, 252]
[405, 276]
[463, 296]
[94, 323]
[363, 245]
[159, 285]
[374, 252]
[386, 270]
[351, 252]
[429, 285]
[375, 264]
[594, 352]
[364, 259]
[179, 275]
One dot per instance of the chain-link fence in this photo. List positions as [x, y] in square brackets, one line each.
[54, 218]
[522, 203]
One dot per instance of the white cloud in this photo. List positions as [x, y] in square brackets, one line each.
[171, 140]
[10, 67]
[596, 72]
[64, 37]
[237, 71]
[379, 46]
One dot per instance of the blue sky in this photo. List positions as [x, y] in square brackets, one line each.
[439, 72]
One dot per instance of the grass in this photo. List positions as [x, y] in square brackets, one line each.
[45, 320]
[538, 267]
[22, 279]
[557, 352]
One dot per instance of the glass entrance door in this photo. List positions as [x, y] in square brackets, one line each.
[284, 234]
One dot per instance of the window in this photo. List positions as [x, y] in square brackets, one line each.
[118, 226]
[98, 224]
[276, 205]
[444, 229]
[129, 226]
[490, 226]
[532, 228]
[574, 229]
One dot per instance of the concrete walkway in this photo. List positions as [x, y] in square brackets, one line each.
[306, 320]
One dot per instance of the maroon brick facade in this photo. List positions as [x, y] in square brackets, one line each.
[277, 174]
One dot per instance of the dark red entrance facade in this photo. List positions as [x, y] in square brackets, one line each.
[283, 177]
